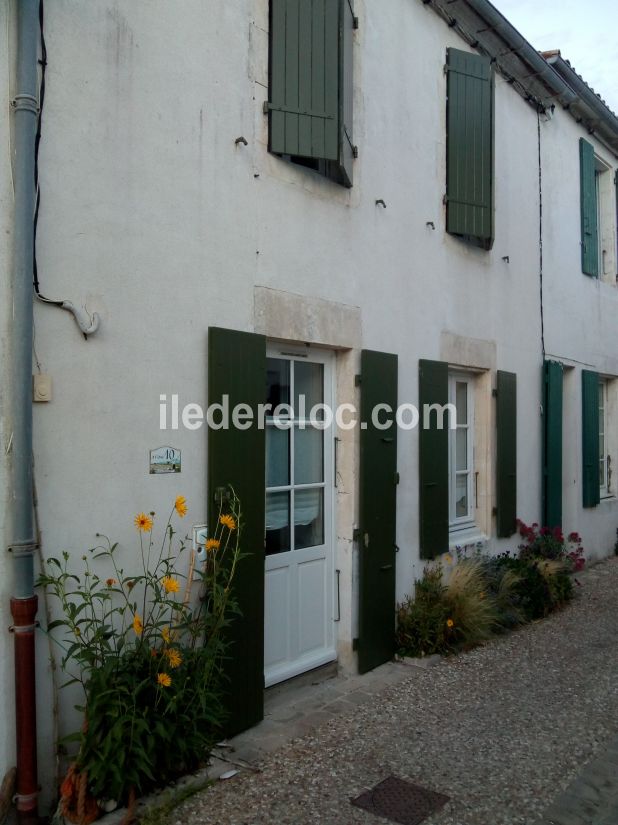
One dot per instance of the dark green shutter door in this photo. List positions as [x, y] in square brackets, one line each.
[469, 146]
[433, 461]
[506, 419]
[304, 78]
[237, 368]
[377, 512]
[588, 203]
[590, 438]
[552, 444]
[346, 91]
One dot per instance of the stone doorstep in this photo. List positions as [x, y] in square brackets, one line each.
[290, 711]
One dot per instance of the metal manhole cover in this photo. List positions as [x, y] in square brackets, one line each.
[400, 801]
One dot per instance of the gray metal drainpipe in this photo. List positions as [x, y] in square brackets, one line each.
[24, 601]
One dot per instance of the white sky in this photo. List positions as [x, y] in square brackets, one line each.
[586, 32]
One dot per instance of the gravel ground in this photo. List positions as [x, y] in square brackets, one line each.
[500, 730]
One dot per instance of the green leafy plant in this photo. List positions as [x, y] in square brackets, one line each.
[147, 647]
[422, 622]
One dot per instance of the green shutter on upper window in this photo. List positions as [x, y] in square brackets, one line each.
[469, 147]
[552, 444]
[506, 453]
[433, 460]
[590, 438]
[310, 106]
[588, 205]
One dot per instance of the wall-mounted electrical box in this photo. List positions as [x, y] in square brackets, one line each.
[200, 534]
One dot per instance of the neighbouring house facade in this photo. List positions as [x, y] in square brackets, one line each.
[392, 204]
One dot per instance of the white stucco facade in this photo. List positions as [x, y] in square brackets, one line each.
[153, 217]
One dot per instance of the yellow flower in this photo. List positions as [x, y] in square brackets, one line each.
[173, 657]
[450, 623]
[180, 506]
[170, 585]
[213, 544]
[164, 679]
[143, 522]
[228, 521]
[165, 632]
[138, 626]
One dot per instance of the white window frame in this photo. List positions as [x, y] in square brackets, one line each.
[604, 487]
[457, 523]
[606, 220]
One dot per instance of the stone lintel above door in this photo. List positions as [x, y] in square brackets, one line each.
[286, 316]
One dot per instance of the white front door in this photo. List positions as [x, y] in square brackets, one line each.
[299, 620]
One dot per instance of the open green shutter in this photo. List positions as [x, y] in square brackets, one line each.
[346, 91]
[237, 368]
[588, 204]
[590, 438]
[469, 147]
[377, 511]
[506, 456]
[433, 460]
[552, 444]
[311, 92]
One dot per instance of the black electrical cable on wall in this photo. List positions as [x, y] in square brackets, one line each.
[538, 126]
[37, 141]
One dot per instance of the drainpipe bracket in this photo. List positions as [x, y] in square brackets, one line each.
[24, 628]
[23, 548]
[27, 103]
[25, 798]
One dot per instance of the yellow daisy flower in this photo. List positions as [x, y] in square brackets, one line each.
[213, 544]
[138, 625]
[180, 506]
[228, 521]
[143, 522]
[165, 632]
[450, 623]
[164, 679]
[170, 585]
[173, 657]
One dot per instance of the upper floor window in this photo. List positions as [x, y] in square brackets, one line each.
[469, 147]
[598, 215]
[310, 85]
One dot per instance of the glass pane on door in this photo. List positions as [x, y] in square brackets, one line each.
[308, 518]
[308, 455]
[277, 523]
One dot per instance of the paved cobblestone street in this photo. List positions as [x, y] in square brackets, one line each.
[523, 731]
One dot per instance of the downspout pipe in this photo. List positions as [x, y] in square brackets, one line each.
[23, 544]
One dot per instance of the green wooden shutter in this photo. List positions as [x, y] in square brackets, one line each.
[433, 461]
[552, 444]
[310, 106]
[346, 91]
[469, 147]
[506, 456]
[377, 512]
[237, 368]
[590, 438]
[588, 205]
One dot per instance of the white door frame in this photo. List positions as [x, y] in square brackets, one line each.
[290, 597]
